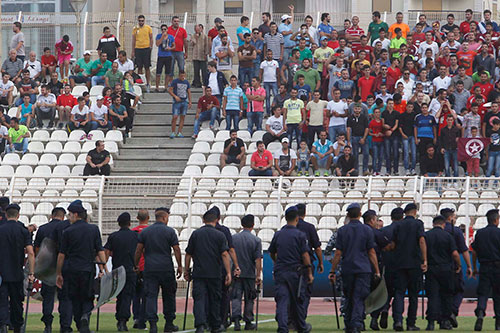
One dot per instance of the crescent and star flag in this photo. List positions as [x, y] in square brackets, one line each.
[468, 147]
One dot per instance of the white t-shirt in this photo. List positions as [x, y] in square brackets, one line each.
[341, 108]
[212, 83]
[98, 112]
[440, 83]
[424, 46]
[385, 43]
[80, 114]
[225, 63]
[34, 67]
[127, 66]
[269, 73]
[279, 153]
[275, 124]
[3, 131]
[5, 86]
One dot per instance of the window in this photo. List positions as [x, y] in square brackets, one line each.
[233, 7]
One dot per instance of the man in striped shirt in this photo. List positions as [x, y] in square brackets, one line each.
[354, 33]
[274, 41]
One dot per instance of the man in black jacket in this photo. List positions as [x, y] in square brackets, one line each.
[448, 144]
[431, 164]
[213, 73]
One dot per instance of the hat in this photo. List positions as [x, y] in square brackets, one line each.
[163, 209]
[285, 139]
[285, 17]
[13, 206]
[218, 20]
[445, 211]
[76, 207]
[87, 52]
[99, 97]
[215, 210]
[124, 217]
[353, 206]
[291, 209]
[410, 206]
[323, 38]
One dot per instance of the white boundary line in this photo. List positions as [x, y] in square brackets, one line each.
[260, 322]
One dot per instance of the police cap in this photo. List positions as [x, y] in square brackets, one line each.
[13, 206]
[353, 205]
[76, 207]
[123, 218]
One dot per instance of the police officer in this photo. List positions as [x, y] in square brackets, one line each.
[121, 247]
[209, 251]
[411, 260]
[139, 301]
[290, 254]
[157, 242]
[459, 283]
[80, 245]
[486, 249]
[14, 241]
[48, 292]
[248, 248]
[441, 252]
[355, 246]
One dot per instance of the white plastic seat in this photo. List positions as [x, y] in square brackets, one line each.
[252, 148]
[387, 208]
[48, 159]
[39, 220]
[270, 222]
[232, 222]
[211, 171]
[196, 159]
[201, 147]
[204, 194]
[81, 160]
[35, 147]
[76, 135]
[114, 135]
[266, 235]
[213, 159]
[24, 171]
[40, 135]
[225, 184]
[11, 159]
[300, 184]
[44, 208]
[55, 183]
[66, 159]
[37, 184]
[297, 194]
[12, 112]
[220, 206]
[175, 221]
[319, 185]
[192, 170]
[447, 205]
[221, 136]
[96, 90]
[273, 209]
[244, 184]
[220, 194]
[27, 208]
[331, 209]
[217, 148]
[74, 184]
[69, 194]
[198, 208]
[55, 147]
[259, 194]
[185, 234]
[71, 147]
[196, 222]
[51, 195]
[255, 209]
[236, 208]
[241, 194]
[327, 222]
[206, 184]
[6, 171]
[484, 208]
[313, 209]
[257, 136]
[205, 136]
[79, 90]
[59, 135]
[20, 184]
[480, 223]
[463, 209]
[77, 170]
[137, 90]
[178, 208]
[42, 171]
[324, 235]
[229, 171]
[97, 135]
[29, 196]
[244, 135]
[61, 171]
[110, 146]
[315, 195]
[88, 146]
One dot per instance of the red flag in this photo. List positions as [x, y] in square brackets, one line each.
[468, 147]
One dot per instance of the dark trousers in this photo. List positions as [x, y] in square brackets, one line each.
[199, 65]
[40, 115]
[152, 282]
[439, 290]
[65, 308]
[105, 170]
[81, 292]
[127, 122]
[489, 275]
[406, 279]
[391, 154]
[11, 301]
[285, 295]
[225, 302]
[268, 138]
[389, 277]
[86, 128]
[458, 292]
[207, 299]
[124, 298]
[311, 132]
[291, 129]
[139, 302]
[356, 290]
[243, 287]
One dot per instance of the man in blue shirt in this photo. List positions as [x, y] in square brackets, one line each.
[180, 90]
[285, 28]
[425, 130]
[258, 43]
[243, 29]
[324, 28]
[232, 103]
[165, 44]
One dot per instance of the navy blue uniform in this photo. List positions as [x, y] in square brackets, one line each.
[158, 240]
[487, 247]
[289, 244]
[459, 283]
[381, 241]
[206, 245]
[80, 244]
[407, 255]
[355, 240]
[122, 244]
[226, 295]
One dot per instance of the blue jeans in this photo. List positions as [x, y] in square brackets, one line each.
[205, 115]
[303, 166]
[18, 146]
[32, 100]
[493, 163]
[333, 131]
[450, 160]
[245, 74]
[255, 118]
[291, 128]
[364, 150]
[180, 108]
[233, 115]
[260, 173]
[178, 57]
[409, 146]
[270, 86]
[391, 153]
[378, 153]
[95, 125]
[97, 80]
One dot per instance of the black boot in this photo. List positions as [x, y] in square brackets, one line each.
[497, 324]
[152, 327]
[445, 325]
[453, 320]
[307, 328]
[237, 326]
[374, 324]
[478, 326]
[383, 319]
[248, 326]
[430, 325]
[122, 326]
[84, 324]
[200, 329]
[398, 326]
[48, 328]
[170, 327]
[412, 328]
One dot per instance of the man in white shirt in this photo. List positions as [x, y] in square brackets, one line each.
[6, 90]
[33, 66]
[124, 64]
[99, 115]
[269, 75]
[285, 159]
[408, 84]
[275, 129]
[337, 111]
[428, 44]
[443, 81]
[386, 42]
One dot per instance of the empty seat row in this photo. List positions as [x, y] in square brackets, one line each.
[76, 135]
[46, 159]
[73, 147]
[26, 171]
[223, 135]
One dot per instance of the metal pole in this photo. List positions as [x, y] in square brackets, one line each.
[190, 197]
[467, 215]
[318, 16]
[1, 33]
[385, 16]
[118, 28]
[99, 210]
[84, 41]
[280, 188]
[251, 20]
[185, 20]
[19, 16]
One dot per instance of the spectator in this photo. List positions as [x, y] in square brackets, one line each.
[425, 130]
[108, 44]
[119, 115]
[304, 51]
[201, 49]
[6, 90]
[270, 76]
[142, 43]
[27, 87]
[285, 159]
[180, 52]
[165, 44]
[224, 54]
[48, 63]
[255, 111]
[232, 104]
[322, 55]
[17, 41]
[80, 119]
[324, 28]
[294, 116]
[303, 159]
[473, 161]
[460, 96]
[212, 33]
[322, 154]
[465, 25]
[408, 83]
[337, 112]
[471, 119]
[258, 43]
[243, 29]
[180, 90]
[338, 146]
[487, 125]
[315, 120]
[274, 41]
[375, 27]
[354, 32]
[406, 129]
[448, 144]
[275, 129]
[65, 103]
[99, 115]
[265, 28]
[128, 88]
[26, 113]
[303, 89]
[208, 109]
[99, 68]
[494, 150]
[54, 85]
[285, 28]
[303, 33]
[346, 164]
[290, 67]
[13, 66]
[217, 41]
[234, 151]
[431, 164]
[124, 65]
[45, 107]
[390, 117]
[366, 84]
[357, 133]
[261, 162]
[396, 42]
[97, 161]
[82, 71]
[311, 76]
[485, 60]
[466, 58]
[4, 120]
[281, 97]
[18, 137]
[114, 76]
[4, 137]
[403, 27]
[246, 55]
[33, 66]
[215, 80]
[64, 48]
[345, 85]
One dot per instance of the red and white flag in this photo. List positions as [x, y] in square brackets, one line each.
[468, 147]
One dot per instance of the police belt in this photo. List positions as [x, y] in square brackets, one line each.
[293, 268]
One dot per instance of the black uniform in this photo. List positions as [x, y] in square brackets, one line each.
[206, 245]
[459, 283]
[389, 259]
[122, 244]
[381, 241]
[226, 295]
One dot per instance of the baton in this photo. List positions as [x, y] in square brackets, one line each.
[423, 290]
[335, 303]
[257, 309]
[187, 300]
[30, 288]
[97, 321]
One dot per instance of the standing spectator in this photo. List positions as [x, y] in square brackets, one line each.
[6, 90]
[142, 43]
[487, 20]
[408, 83]
[13, 66]
[406, 129]
[261, 162]
[82, 71]
[375, 26]
[99, 115]
[324, 28]
[258, 43]
[166, 45]
[217, 41]
[215, 80]
[285, 159]
[255, 111]
[108, 44]
[26, 112]
[124, 65]
[45, 107]
[119, 115]
[18, 137]
[354, 32]
[303, 89]
[97, 161]
[376, 130]
[113, 76]
[390, 117]
[208, 109]
[64, 48]
[282, 96]
[337, 112]
[274, 41]
[80, 118]
[201, 49]
[180, 53]
[224, 54]
[322, 54]
[55, 86]
[485, 60]
[285, 28]
[488, 119]
[294, 116]
[212, 33]
[366, 84]
[290, 67]
[246, 55]
[431, 164]
[243, 29]
[305, 52]
[49, 63]
[265, 28]
[180, 90]
[99, 68]
[27, 87]
[275, 129]
[448, 144]
[466, 58]
[396, 42]
[269, 75]
[471, 119]
[473, 161]
[232, 104]
[311, 30]
[405, 29]
[33, 66]
[234, 151]
[311, 76]
[357, 133]
[465, 25]
[65, 103]
[345, 85]
[17, 41]
[315, 111]
[443, 81]
[494, 150]
[429, 44]
[425, 130]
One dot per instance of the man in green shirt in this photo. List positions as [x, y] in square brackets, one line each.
[82, 71]
[311, 76]
[294, 116]
[305, 52]
[99, 69]
[18, 137]
[113, 76]
[396, 43]
[375, 26]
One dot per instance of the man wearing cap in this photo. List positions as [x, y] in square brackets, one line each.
[355, 246]
[208, 248]
[82, 71]
[156, 243]
[248, 249]
[139, 302]
[80, 245]
[97, 161]
[121, 247]
[411, 261]
[212, 33]
[48, 292]
[285, 28]
[285, 158]
[486, 249]
[290, 254]
[99, 117]
[15, 240]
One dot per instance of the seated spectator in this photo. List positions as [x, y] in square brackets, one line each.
[18, 137]
[4, 137]
[128, 88]
[97, 161]
[261, 162]
[55, 86]
[285, 159]
[234, 151]
[99, 115]
[124, 65]
[113, 76]
[13, 66]
[26, 113]
[346, 164]
[322, 154]
[275, 129]
[27, 87]
[119, 115]
[180, 90]
[106, 93]
[6, 90]
[255, 113]
[64, 48]
[65, 103]
[303, 159]
[49, 63]
[4, 119]
[431, 164]
[82, 71]
[80, 118]
[208, 109]
[45, 107]
[86, 97]
[99, 68]
[338, 146]
[33, 66]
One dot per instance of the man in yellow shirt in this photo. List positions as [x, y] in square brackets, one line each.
[18, 137]
[142, 43]
[405, 29]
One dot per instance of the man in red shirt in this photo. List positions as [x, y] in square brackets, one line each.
[365, 47]
[208, 109]
[261, 162]
[418, 35]
[64, 104]
[180, 53]
[49, 63]
[354, 33]
[466, 58]
[139, 301]
[366, 83]
[465, 25]
[212, 33]
[485, 85]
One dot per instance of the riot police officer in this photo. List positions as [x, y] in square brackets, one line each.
[80, 244]
[355, 246]
[14, 241]
[209, 251]
[157, 242]
[290, 254]
[486, 249]
[121, 247]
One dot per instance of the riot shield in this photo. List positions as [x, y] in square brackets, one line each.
[46, 262]
[111, 285]
[377, 298]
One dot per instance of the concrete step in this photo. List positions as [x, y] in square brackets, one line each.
[161, 132]
[153, 154]
[152, 142]
[153, 163]
[160, 119]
